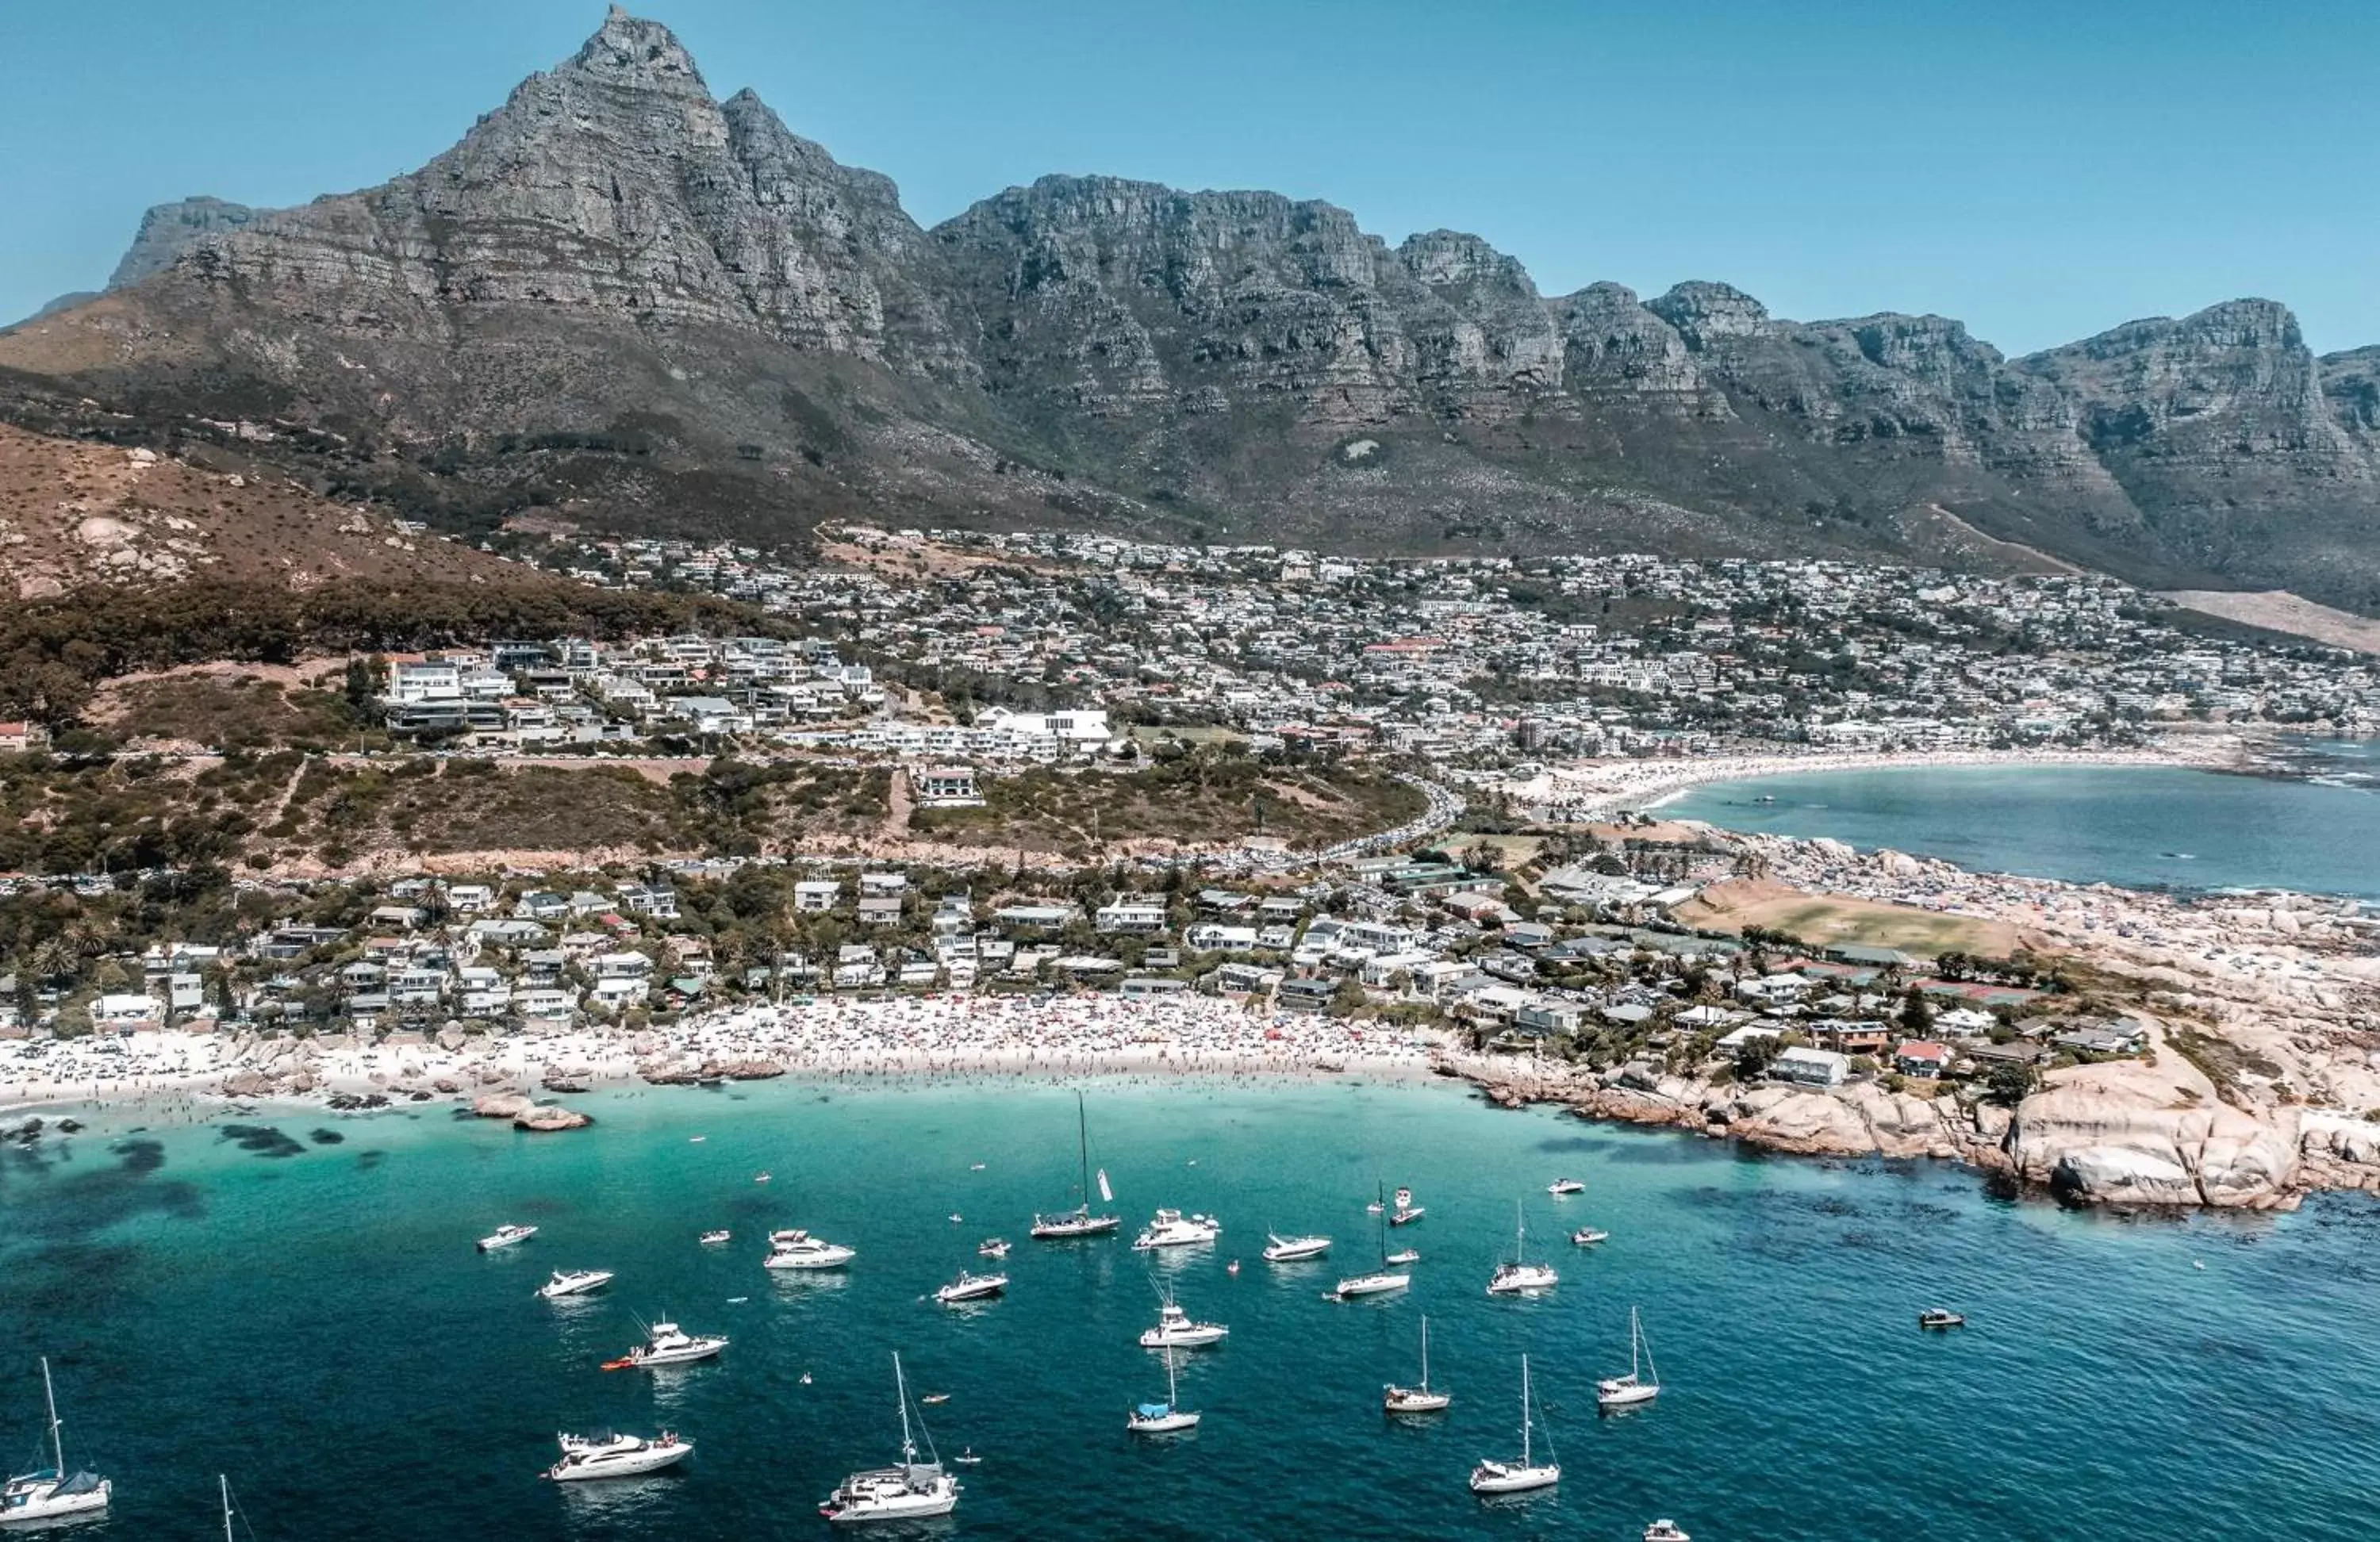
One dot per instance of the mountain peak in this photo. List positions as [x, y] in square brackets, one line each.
[630, 50]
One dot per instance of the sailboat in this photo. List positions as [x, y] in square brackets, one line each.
[52, 1491]
[909, 1491]
[1521, 1277]
[1643, 1382]
[1163, 1418]
[1079, 1221]
[1380, 1281]
[1416, 1399]
[1507, 1477]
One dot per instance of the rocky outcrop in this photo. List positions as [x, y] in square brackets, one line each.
[502, 1105]
[548, 1118]
[169, 229]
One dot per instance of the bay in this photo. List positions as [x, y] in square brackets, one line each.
[2139, 827]
[307, 1314]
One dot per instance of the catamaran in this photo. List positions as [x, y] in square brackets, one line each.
[573, 1281]
[669, 1345]
[1079, 1221]
[794, 1248]
[506, 1236]
[609, 1455]
[1291, 1250]
[1519, 1277]
[1416, 1399]
[909, 1491]
[1163, 1418]
[1515, 1478]
[1643, 1382]
[970, 1286]
[1380, 1280]
[1174, 1331]
[54, 1491]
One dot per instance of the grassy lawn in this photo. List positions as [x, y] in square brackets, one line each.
[1822, 920]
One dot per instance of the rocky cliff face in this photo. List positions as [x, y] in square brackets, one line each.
[169, 229]
[616, 264]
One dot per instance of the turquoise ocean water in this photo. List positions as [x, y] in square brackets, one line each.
[2138, 827]
[309, 1315]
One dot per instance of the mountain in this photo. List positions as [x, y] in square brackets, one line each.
[622, 302]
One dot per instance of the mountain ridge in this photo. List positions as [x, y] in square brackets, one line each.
[619, 296]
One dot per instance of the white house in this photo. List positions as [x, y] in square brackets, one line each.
[817, 894]
[1809, 1067]
[1131, 913]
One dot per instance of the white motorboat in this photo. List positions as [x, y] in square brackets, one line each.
[1587, 1236]
[669, 1345]
[1404, 1256]
[506, 1236]
[1176, 1330]
[56, 1492]
[799, 1249]
[1416, 1399]
[719, 1238]
[1290, 1250]
[971, 1287]
[991, 1247]
[1940, 1316]
[1079, 1221]
[1406, 1212]
[616, 1456]
[1163, 1418]
[1519, 1277]
[1173, 1228]
[1643, 1382]
[1666, 1530]
[1562, 1186]
[575, 1281]
[1518, 1477]
[908, 1491]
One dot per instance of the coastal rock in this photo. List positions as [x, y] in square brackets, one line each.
[2119, 1175]
[451, 1038]
[746, 1070]
[1795, 1120]
[547, 1118]
[2127, 1132]
[502, 1105]
[248, 1084]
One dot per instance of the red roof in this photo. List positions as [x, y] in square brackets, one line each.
[1922, 1049]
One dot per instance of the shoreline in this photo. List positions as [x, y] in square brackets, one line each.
[1601, 789]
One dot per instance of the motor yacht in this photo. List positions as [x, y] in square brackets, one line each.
[1291, 1250]
[1666, 1530]
[1938, 1317]
[669, 1345]
[1404, 1256]
[1163, 1418]
[1378, 1284]
[1416, 1399]
[56, 1492]
[908, 1491]
[1587, 1236]
[719, 1238]
[971, 1287]
[799, 1249]
[575, 1281]
[610, 1455]
[1643, 1382]
[1176, 1330]
[506, 1236]
[1562, 1186]
[1173, 1228]
[1517, 1477]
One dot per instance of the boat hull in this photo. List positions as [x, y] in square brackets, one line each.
[1192, 1338]
[1167, 1424]
[1402, 1400]
[1495, 1478]
[634, 1464]
[1372, 1284]
[41, 1504]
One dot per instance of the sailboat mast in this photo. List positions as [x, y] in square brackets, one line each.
[1424, 1354]
[49, 1395]
[225, 1482]
[1636, 1343]
[901, 1391]
[1083, 1138]
[1524, 1410]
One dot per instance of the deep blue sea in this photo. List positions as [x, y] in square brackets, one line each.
[306, 1313]
[2152, 827]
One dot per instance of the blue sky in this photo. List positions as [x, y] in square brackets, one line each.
[2039, 171]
